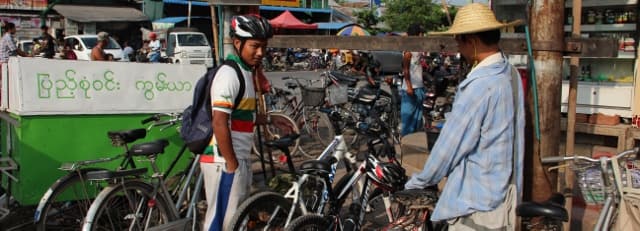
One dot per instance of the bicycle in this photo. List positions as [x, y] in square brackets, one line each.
[597, 181]
[129, 202]
[388, 177]
[313, 126]
[312, 191]
[66, 202]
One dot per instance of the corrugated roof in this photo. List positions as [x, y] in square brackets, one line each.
[81, 13]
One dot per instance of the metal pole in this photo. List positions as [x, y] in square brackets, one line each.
[548, 45]
[189, 16]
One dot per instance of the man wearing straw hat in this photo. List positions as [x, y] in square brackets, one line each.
[480, 149]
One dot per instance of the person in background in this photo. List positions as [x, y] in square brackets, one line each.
[226, 163]
[36, 48]
[97, 53]
[48, 43]
[127, 52]
[8, 46]
[412, 93]
[67, 52]
[481, 146]
[154, 48]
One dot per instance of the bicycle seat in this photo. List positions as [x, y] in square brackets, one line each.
[315, 166]
[149, 148]
[417, 197]
[342, 78]
[552, 208]
[283, 143]
[108, 174]
[126, 136]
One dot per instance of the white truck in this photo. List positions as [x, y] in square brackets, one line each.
[188, 46]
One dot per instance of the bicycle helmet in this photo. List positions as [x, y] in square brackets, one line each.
[251, 27]
[389, 175]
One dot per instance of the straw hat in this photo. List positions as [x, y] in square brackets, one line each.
[473, 18]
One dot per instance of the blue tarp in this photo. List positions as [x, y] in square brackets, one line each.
[185, 2]
[332, 25]
[175, 19]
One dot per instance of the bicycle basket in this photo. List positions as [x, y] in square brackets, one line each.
[338, 94]
[628, 174]
[591, 183]
[312, 96]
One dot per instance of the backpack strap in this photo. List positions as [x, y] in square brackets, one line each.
[235, 66]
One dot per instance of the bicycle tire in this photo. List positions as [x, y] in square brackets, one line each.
[316, 132]
[57, 210]
[110, 212]
[251, 213]
[280, 126]
[376, 214]
[309, 222]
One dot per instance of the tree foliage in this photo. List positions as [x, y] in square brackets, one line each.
[402, 13]
[368, 19]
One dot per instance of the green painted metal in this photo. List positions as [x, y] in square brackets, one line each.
[42, 143]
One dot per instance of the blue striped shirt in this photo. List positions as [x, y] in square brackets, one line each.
[7, 47]
[475, 147]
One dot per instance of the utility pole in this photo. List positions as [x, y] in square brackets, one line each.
[548, 47]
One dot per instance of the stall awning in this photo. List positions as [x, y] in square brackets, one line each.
[286, 20]
[100, 13]
[296, 9]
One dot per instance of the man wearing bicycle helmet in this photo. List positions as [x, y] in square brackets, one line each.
[481, 146]
[227, 168]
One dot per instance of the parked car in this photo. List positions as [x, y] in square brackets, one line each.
[82, 45]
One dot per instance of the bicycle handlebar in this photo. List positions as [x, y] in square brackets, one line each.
[556, 159]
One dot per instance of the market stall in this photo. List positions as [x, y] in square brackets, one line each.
[56, 111]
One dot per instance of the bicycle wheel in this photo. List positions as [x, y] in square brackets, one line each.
[262, 211]
[316, 132]
[310, 222]
[378, 211]
[65, 204]
[280, 126]
[130, 205]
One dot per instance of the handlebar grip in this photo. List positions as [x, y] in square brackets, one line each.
[152, 118]
[286, 77]
[552, 159]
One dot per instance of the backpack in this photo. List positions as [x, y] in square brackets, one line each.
[197, 129]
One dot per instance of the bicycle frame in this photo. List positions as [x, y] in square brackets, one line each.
[338, 149]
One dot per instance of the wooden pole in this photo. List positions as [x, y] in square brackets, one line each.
[574, 63]
[214, 27]
[446, 11]
[547, 36]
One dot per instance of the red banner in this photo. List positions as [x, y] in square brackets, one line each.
[293, 3]
[23, 4]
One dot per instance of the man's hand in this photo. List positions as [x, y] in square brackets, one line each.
[410, 91]
[231, 166]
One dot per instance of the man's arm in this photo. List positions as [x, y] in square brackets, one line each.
[222, 134]
[97, 55]
[406, 65]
